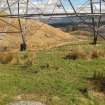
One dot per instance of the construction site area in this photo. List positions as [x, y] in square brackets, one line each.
[52, 52]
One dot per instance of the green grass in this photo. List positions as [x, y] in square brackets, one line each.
[52, 79]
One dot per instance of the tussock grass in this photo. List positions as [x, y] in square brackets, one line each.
[52, 80]
[17, 58]
[77, 53]
[6, 58]
[81, 53]
[97, 82]
[96, 53]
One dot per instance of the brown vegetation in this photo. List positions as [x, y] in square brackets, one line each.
[37, 35]
[97, 82]
[17, 58]
[80, 53]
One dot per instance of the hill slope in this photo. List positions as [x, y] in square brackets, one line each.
[37, 35]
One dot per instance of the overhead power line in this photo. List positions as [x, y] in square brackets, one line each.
[32, 10]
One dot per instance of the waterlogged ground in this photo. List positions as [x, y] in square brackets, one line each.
[52, 80]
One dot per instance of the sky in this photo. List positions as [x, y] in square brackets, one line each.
[36, 8]
[76, 3]
[51, 7]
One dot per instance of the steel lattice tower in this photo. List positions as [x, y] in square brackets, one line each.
[26, 8]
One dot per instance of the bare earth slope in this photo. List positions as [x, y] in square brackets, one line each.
[38, 35]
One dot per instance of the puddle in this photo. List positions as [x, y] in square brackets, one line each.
[27, 103]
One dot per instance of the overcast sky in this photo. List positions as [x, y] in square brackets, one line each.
[76, 3]
[50, 6]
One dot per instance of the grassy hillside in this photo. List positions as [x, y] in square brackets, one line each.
[37, 35]
[54, 80]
